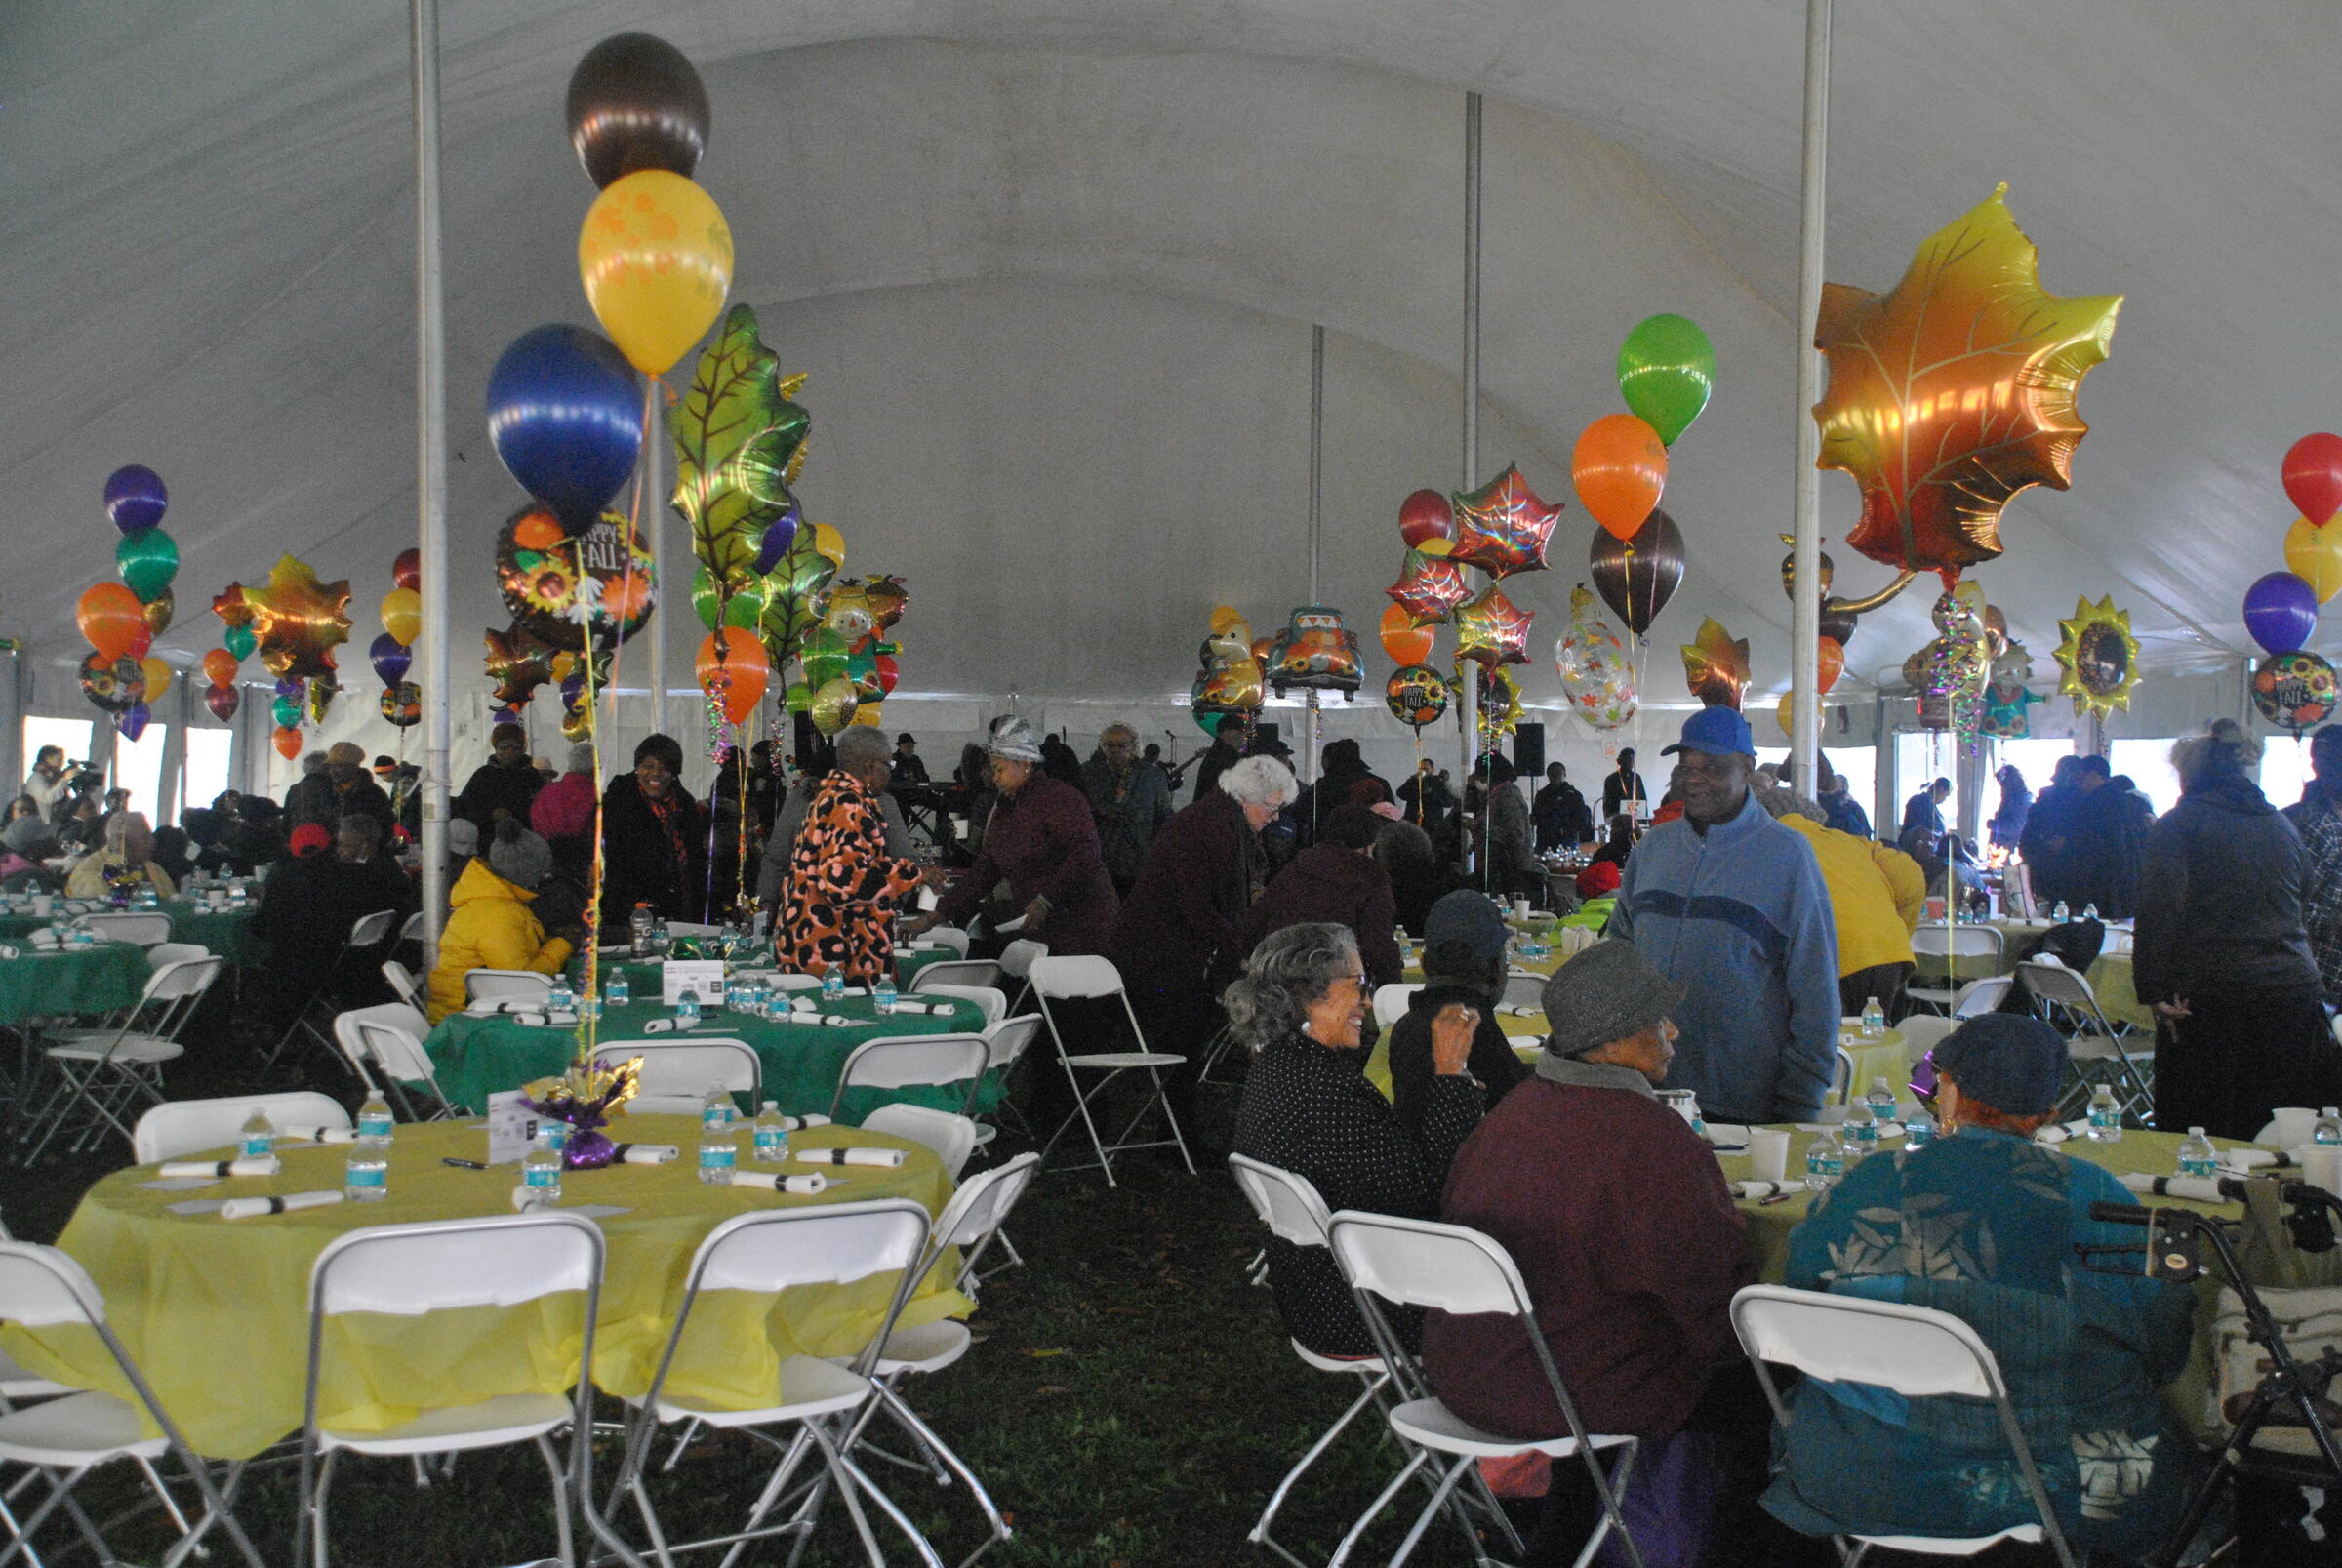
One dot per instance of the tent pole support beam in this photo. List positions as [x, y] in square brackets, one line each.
[1468, 707]
[1313, 743]
[1806, 610]
[430, 470]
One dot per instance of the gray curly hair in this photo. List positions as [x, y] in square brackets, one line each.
[1290, 969]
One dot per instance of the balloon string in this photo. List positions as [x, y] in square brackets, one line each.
[589, 1015]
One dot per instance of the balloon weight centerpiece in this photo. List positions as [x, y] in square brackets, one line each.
[585, 1097]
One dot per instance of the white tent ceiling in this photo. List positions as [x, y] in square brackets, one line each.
[1052, 269]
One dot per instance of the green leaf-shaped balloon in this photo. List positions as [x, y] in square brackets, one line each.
[742, 608]
[735, 434]
[796, 590]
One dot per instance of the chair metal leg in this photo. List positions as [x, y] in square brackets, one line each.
[1259, 1534]
[1416, 1460]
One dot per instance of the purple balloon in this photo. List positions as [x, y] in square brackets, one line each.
[134, 497]
[222, 700]
[777, 538]
[133, 721]
[294, 690]
[572, 689]
[2280, 611]
[507, 714]
[391, 659]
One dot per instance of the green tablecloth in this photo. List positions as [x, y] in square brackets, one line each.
[225, 931]
[907, 965]
[475, 1057]
[70, 982]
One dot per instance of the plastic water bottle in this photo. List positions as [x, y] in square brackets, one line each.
[1862, 1131]
[719, 1155]
[687, 1010]
[561, 999]
[2328, 1127]
[833, 985]
[715, 1109]
[2106, 1116]
[1691, 1115]
[617, 990]
[772, 1134]
[2089, 911]
[1919, 1131]
[884, 992]
[2195, 1154]
[540, 1166]
[1824, 1162]
[1881, 1098]
[1874, 1020]
[373, 1121]
[366, 1174]
[258, 1140]
[2061, 915]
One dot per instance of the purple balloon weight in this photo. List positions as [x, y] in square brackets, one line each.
[132, 722]
[134, 498]
[777, 538]
[222, 700]
[2280, 611]
[391, 659]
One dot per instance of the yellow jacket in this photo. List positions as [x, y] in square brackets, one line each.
[489, 926]
[87, 879]
[1876, 893]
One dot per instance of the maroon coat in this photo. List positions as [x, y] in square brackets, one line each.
[1328, 882]
[1042, 840]
[1182, 925]
[1624, 1233]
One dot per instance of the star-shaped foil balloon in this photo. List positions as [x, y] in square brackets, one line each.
[231, 607]
[517, 662]
[1716, 667]
[1428, 587]
[297, 620]
[1502, 527]
[1493, 630]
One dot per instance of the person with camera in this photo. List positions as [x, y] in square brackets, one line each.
[50, 779]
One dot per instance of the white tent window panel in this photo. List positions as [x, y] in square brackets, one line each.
[139, 768]
[2149, 764]
[205, 769]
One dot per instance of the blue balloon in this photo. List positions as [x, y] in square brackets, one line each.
[2280, 611]
[134, 497]
[566, 414]
[392, 659]
[131, 721]
[777, 538]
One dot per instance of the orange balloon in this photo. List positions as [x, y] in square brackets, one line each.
[288, 742]
[1406, 642]
[220, 667]
[1833, 664]
[111, 617]
[738, 680]
[1620, 471]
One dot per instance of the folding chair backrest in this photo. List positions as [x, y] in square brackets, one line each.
[1390, 1003]
[440, 1265]
[357, 1049]
[144, 929]
[1524, 988]
[1922, 1033]
[171, 952]
[1956, 942]
[1086, 975]
[1841, 1076]
[1289, 1205]
[1980, 996]
[952, 1138]
[2055, 982]
[373, 928]
[770, 1250]
[184, 978]
[1915, 1350]
[178, 1127]
[41, 1287]
[484, 982]
[402, 981]
[1020, 956]
[910, 1060]
[982, 1202]
[988, 999]
[392, 1044]
[958, 972]
[411, 930]
[951, 937]
[1009, 1038]
[688, 1068]
[1421, 1262]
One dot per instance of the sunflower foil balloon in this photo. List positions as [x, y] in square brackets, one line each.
[1591, 660]
[1716, 667]
[1503, 527]
[557, 587]
[2099, 657]
[1314, 652]
[1416, 695]
[2295, 690]
[1499, 709]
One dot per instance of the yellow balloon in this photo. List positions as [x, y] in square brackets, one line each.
[158, 679]
[1782, 711]
[867, 714]
[833, 705]
[1435, 546]
[656, 257]
[829, 544]
[402, 614]
[563, 663]
[2313, 554]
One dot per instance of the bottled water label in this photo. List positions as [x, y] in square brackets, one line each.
[717, 1162]
[374, 1125]
[368, 1175]
[542, 1176]
[556, 1135]
[2197, 1167]
[772, 1145]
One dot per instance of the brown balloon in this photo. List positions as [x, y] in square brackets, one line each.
[1636, 577]
[635, 102]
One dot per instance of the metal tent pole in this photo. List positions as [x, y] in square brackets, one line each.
[653, 501]
[430, 469]
[1314, 742]
[1805, 611]
[1469, 706]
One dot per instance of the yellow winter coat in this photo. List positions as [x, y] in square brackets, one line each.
[489, 926]
[1876, 895]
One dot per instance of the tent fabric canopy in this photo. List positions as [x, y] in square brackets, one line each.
[1052, 271]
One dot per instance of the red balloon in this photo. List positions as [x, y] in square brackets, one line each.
[222, 700]
[2314, 477]
[407, 570]
[1425, 516]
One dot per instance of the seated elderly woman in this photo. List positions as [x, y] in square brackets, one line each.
[125, 862]
[1983, 1224]
[1309, 1110]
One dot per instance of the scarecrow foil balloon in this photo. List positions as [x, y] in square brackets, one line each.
[2099, 657]
[2007, 697]
[556, 586]
[1502, 527]
[2294, 689]
[1716, 667]
[1415, 696]
[1428, 587]
[1595, 674]
[1491, 630]
[297, 621]
[1314, 652]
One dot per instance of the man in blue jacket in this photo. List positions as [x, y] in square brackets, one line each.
[1730, 904]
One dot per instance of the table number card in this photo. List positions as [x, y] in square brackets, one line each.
[511, 1127]
[703, 976]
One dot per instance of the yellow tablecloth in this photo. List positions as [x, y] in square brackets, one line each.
[1886, 1057]
[1527, 1035]
[215, 1312]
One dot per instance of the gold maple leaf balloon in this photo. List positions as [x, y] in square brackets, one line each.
[1955, 392]
[1716, 667]
[517, 661]
[1493, 630]
[296, 620]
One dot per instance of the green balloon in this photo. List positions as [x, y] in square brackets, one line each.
[1666, 373]
[742, 610]
[798, 699]
[240, 642]
[287, 711]
[148, 560]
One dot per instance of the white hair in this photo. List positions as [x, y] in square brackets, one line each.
[1259, 782]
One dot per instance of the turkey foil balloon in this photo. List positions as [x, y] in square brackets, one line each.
[1955, 392]
[559, 588]
[298, 621]
[517, 662]
[1597, 675]
[1416, 695]
[1503, 527]
[2295, 690]
[1499, 709]
[2099, 657]
[1491, 630]
[1716, 667]
[1429, 588]
[2007, 696]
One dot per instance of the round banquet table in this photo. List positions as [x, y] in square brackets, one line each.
[227, 933]
[215, 1312]
[475, 1057]
[1886, 1057]
[908, 961]
[70, 981]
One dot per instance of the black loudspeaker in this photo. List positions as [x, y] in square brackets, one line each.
[1528, 751]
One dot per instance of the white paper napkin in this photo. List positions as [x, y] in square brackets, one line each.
[2199, 1188]
[213, 1169]
[1766, 1189]
[648, 1153]
[252, 1207]
[842, 1154]
[805, 1184]
[319, 1135]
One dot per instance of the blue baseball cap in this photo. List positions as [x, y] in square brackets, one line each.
[1719, 731]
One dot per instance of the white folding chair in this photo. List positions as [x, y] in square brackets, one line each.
[481, 984]
[63, 1439]
[411, 929]
[768, 1251]
[1980, 996]
[1917, 1353]
[988, 999]
[403, 983]
[794, 982]
[959, 972]
[2092, 1042]
[952, 1138]
[1015, 963]
[142, 930]
[1419, 1263]
[915, 1061]
[1841, 1077]
[356, 1049]
[366, 932]
[1072, 979]
[440, 1265]
[1524, 987]
[106, 1071]
[178, 1127]
[676, 1075]
[1973, 948]
[951, 937]
[396, 1050]
[1391, 1004]
[1922, 1033]
[1290, 1206]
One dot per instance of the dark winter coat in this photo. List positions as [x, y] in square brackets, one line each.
[1042, 841]
[640, 863]
[1183, 924]
[2220, 898]
[1327, 882]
